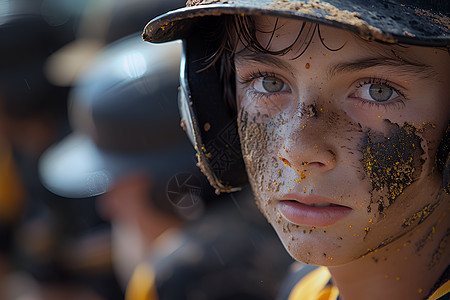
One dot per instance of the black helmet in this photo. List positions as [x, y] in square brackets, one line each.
[124, 117]
[212, 128]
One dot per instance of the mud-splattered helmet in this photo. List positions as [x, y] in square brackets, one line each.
[208, 120]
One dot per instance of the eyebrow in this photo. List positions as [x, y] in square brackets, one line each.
[401, 65]
[265, 59]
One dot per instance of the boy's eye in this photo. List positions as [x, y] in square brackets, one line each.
[377, 92]
[269, 84]
[380, 92]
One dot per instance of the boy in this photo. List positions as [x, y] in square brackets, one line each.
[168, 238]
[342, 113]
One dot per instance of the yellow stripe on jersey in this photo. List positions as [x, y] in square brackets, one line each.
[142, 284]
[314, 287]
[328, 293]
[441, 291]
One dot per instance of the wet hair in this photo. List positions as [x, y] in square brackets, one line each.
[243, 29]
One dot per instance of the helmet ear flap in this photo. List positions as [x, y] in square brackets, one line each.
[207, 118]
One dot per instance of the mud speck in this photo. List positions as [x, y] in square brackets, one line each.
[308, 110]
[183, 125]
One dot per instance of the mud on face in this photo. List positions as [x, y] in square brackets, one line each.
[391, 162]
[253, 152]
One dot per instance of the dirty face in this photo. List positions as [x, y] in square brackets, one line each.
[340, 145]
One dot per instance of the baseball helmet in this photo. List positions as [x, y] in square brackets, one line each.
[212, 128]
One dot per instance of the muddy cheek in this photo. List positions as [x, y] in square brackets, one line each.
[392, 162]
[254, 141]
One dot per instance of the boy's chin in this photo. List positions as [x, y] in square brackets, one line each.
[316, 257]
[320, 251]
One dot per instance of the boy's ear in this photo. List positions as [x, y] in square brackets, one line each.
[443, 159]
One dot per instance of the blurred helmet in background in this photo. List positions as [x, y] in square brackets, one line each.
[124, 114]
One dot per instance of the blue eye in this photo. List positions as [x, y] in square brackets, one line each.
[375, 92]
[380, 93]
[270, 84]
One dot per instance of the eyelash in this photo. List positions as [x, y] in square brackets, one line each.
[256, 75]
[398, 103]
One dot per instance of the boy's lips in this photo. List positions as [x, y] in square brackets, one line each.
[311, 210]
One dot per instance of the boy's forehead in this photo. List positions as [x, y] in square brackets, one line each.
[350, 59]
[278, 33]
[275, 27]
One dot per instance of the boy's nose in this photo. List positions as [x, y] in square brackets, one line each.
[305, 147]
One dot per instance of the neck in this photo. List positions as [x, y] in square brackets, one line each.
[407, 268]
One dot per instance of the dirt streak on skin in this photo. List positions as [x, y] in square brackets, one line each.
[254, 139]
[385, 242]
[420, 215]
[436, 257]
[427, 237]
[391, 162]
[416, 219]
[308, 110]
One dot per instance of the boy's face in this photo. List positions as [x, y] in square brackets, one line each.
[340, 146]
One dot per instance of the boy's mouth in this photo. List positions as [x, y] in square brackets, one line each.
[311, 210]
[320, 204]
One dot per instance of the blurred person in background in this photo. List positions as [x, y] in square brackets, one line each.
[41, 232]
[173, 238]
[52, 247]
[98, 23]
[32, 116]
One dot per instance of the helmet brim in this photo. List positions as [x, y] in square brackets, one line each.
[388, 22]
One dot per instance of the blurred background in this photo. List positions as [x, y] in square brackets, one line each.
[53, 247]
[148, 226]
